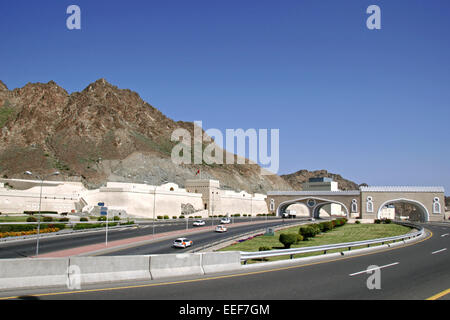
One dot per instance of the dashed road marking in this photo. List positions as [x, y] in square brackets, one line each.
[365, 271]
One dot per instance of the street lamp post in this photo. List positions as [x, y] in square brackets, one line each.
[154, 204]
[40, 202]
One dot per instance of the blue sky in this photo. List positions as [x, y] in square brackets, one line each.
[371, 105]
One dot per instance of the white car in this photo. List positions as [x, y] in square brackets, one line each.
[225, 220]
[220, 228]
[199, 223]
[182, 243]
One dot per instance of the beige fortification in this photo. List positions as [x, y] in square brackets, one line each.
[199, 198]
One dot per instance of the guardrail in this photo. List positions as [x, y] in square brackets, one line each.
[273, 253]
[76, 271]
[249, 233]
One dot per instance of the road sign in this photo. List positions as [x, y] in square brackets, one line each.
[270, 231]
[101, 204]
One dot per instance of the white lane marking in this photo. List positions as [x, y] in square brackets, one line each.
[439, 251]
[445, 234]
[365, 271]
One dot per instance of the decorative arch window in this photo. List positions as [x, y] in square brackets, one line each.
[436, 206]
[206, 206]
[171, 189]
[369, 204]
[354, 207]
[272, 205]
[311, 203]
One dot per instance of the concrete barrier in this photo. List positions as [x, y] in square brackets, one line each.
[33, 273]
[108, 269]
[175, 265]
[221, 261]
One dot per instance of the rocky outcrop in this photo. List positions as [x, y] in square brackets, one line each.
[296, 179]
[101, 134]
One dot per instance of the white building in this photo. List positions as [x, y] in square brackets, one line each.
[199, 198]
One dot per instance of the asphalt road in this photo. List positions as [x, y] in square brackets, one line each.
[415, 271]
[27, 248]
[199, 239]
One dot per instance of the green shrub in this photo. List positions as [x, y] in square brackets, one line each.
[116, 218]
[316, 228]
[47, 219]
[126, 223]
[377, 221]
[308, 232]
[166, 217]
[17, 227]
[341, 222]
[64, 220]
[327, 226]
[174, 217]
[299, 238]
[264, 248]
[357, 222]
[322, 226]
[288, 239]
[181, 217]
[387, 221]
[84, 219]
[101, 218]
[53, 225]
[31, 219]
[159, 217]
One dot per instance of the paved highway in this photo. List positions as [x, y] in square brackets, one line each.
[199, 239]
[27, 248]
[416, 271]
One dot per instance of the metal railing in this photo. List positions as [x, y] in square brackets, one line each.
[240, 235]
[273, 253]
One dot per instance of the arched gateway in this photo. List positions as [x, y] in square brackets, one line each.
[365, 203]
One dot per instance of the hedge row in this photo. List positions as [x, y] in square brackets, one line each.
[309, 231]
[80, 226]
[28, 227]
[378, 221]
[26, 233]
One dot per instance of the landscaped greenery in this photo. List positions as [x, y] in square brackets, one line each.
[344, 233]
[13, 218]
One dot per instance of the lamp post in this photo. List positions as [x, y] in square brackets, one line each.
[40, 202]
[154, 204]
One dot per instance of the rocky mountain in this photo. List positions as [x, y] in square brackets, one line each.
[101, 134]
[104, 133]
[296, 179]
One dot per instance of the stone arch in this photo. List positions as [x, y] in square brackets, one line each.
[419, 205]
[318, 206]
[319, 202]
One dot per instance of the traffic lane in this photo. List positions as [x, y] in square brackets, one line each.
[46, 245]
[326, 280]
[199, 239]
